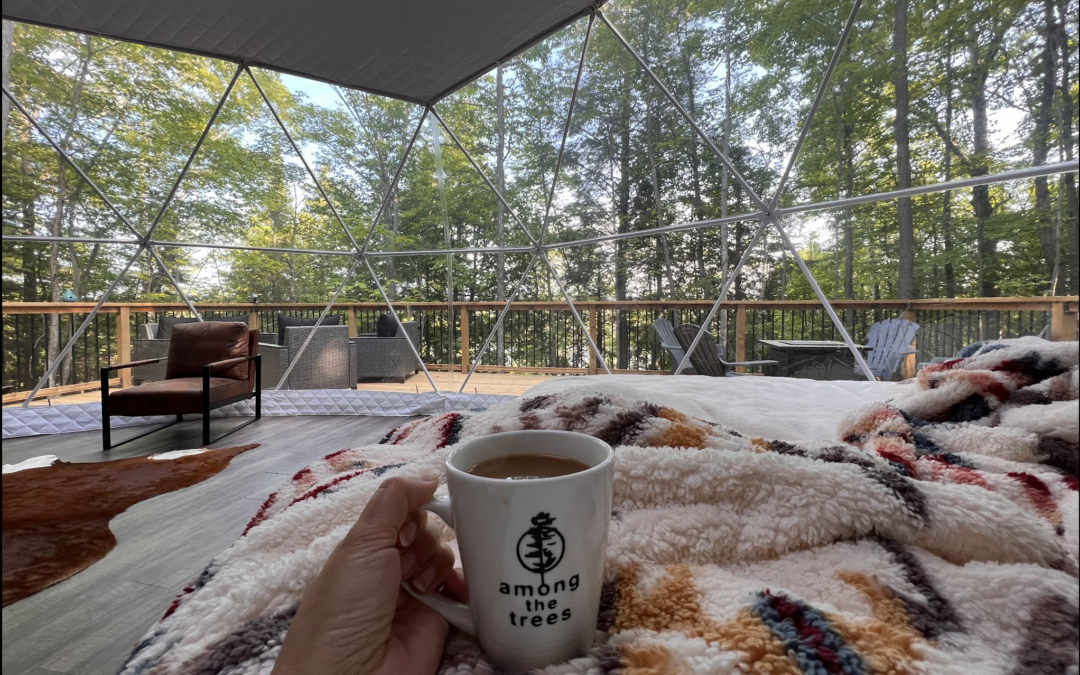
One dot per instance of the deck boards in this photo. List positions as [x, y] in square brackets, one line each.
[513, 384]
[87, 624]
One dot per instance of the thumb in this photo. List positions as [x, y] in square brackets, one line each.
[386, 511]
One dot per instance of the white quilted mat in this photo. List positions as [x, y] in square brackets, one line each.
[63, 419]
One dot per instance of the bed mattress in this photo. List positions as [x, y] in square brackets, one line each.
[772, 407]
[941, 539]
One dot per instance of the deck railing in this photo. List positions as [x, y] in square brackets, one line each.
[539, 337]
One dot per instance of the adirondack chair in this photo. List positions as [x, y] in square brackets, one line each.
[706, 358]
[889, 342]
[666, 332]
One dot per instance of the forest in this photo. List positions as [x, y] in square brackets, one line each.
[925, 91]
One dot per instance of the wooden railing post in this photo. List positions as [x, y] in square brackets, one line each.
[593, 321]
[1062, 326]
[123, 344]
[907, 368]
[253, 319]
[351, 319]
[464, 338]
[740, 337]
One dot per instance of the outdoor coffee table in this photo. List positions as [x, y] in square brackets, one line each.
[813, 359]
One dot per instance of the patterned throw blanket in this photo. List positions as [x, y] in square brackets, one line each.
[940, 537]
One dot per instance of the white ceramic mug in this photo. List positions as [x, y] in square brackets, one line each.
[532, 550]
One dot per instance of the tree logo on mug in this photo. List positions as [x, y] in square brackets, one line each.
[540, 549]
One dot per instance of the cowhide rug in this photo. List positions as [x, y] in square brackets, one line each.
[56, 518]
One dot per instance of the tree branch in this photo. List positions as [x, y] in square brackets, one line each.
[927, 116]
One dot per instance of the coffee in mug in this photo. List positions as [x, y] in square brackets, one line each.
[525, 467]
[532, 548]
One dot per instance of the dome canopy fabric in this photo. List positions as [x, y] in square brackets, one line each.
[415, 50]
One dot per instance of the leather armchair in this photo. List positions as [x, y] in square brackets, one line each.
[210, 365]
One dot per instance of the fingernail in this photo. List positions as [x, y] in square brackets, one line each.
[423, 581]
[406, 534]
[408, 559]
[430, 475]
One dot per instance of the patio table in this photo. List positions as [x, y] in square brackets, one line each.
[813, 359]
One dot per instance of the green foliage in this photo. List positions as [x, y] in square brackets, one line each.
[130, 115]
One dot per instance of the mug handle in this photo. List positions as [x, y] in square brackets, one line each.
[456, 613]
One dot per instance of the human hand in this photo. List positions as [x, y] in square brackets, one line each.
[354, 617]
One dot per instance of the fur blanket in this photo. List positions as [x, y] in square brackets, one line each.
[940, 538]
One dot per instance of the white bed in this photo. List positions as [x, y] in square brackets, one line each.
[771, 407]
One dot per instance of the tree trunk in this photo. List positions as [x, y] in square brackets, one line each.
[904, 219]
[695, 168]
[849, 225]
[845, 186]
[838, 233]
[292, 260]
[1066, 141]
[725, 186]
[980, 61]
[8, 38]
[783, 273]
[53, 320]
[1040, 143]
[849, 260]
[500, 232]
[622, 262]
[391, 262]
[672, 291]
[737, 286]
[946, 234]
[980, 194]
[946, 207]
[30, 256]
[384, 188]
[29, 263]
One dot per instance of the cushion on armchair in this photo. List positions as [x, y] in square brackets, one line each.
[181, 395]
[386, 326]
[193, 345]
[164, 328]
[228, 318]
[284, 322]
[167, 323]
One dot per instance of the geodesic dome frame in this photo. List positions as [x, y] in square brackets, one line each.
[427, 94]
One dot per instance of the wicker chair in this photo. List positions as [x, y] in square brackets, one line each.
[329, 362]
[145, 348]
[387, 358]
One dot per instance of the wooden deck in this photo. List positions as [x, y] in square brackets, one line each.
[513, 384]
[67, 399]
[87, 625]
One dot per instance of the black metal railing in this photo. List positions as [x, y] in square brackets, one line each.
[537, 336]
[26, 353]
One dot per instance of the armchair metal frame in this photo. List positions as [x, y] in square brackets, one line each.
[207, 405]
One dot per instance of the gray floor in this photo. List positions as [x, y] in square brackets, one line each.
[87, 624]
